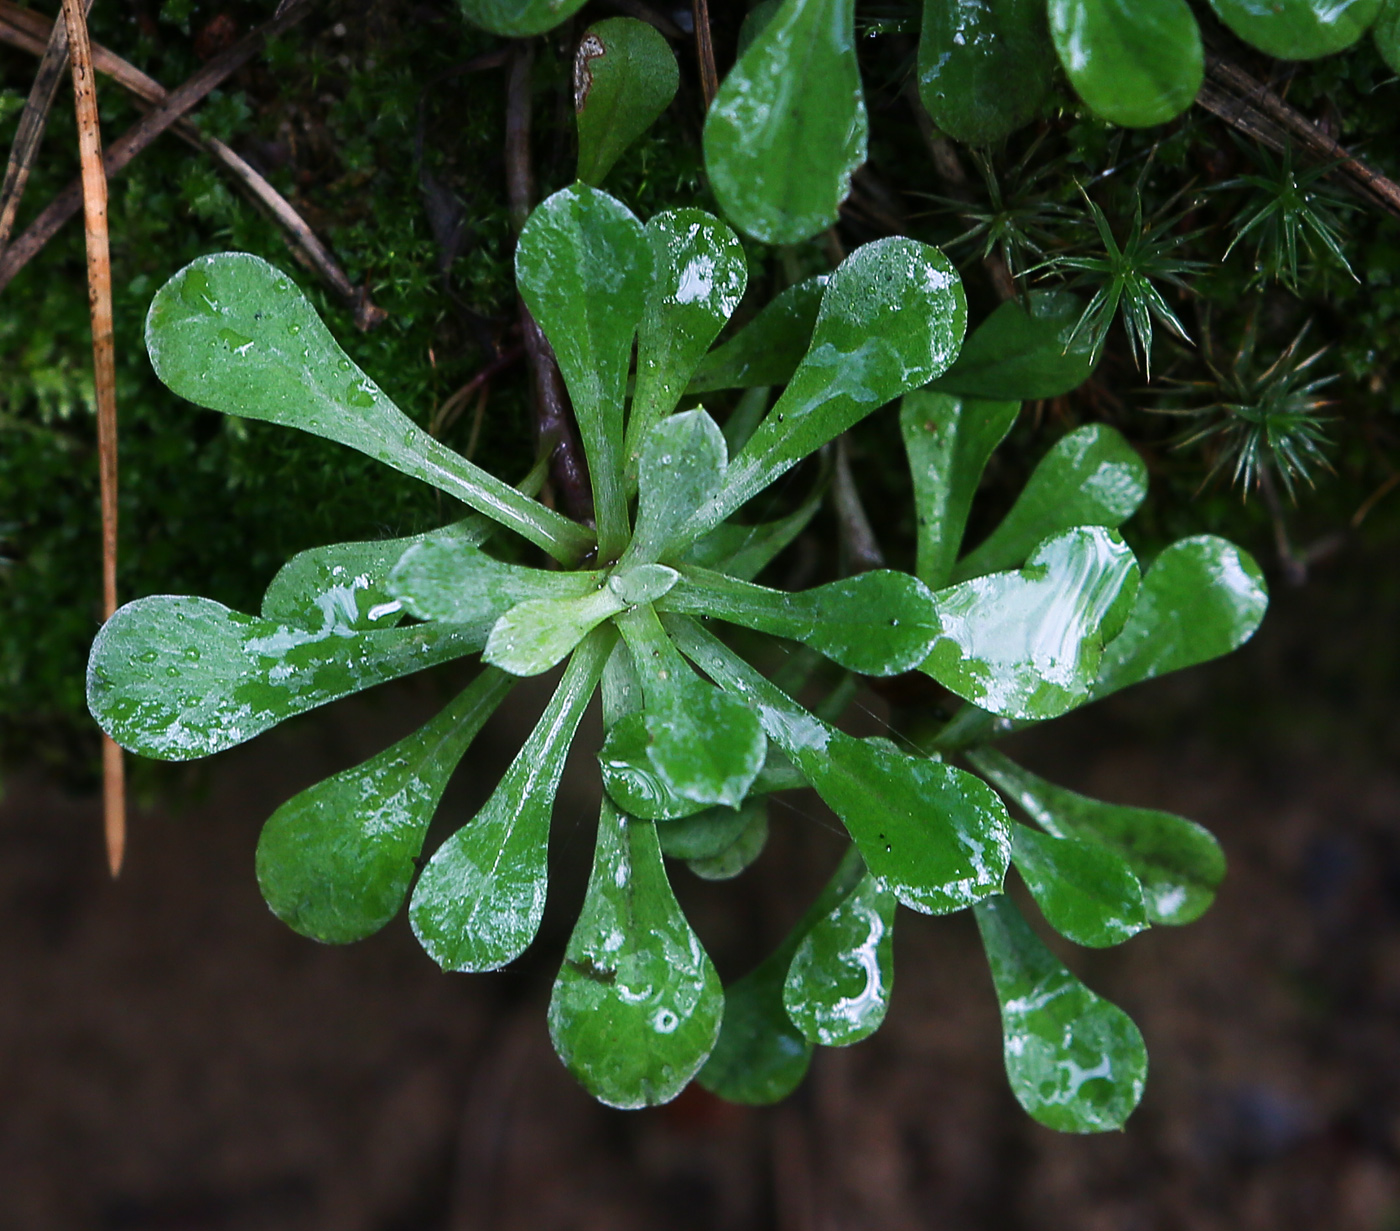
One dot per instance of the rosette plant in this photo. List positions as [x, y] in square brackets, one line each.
[1045, 614]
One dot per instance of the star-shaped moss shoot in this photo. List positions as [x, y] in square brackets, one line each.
[1044, 615]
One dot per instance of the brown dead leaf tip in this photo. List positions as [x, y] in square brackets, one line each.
[588, 50]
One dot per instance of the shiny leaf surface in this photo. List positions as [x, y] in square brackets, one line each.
[518, 18]
[1086, 891]
[984, 66]
[683, 460]
[637, 1005]
[176, 677]
[838, 986]
[934, 835]
[1028, 644]
[708, 833]
[1178, 862]
[700, 277]
[768, 349]
[705, 745]
[1092, 477]
[625, 75]
[1075, 1062]
[335, 861]
[1202, 598]
[633, 782]
[739, 854]
[788, 127]
[1022, 356]
[891, 320]
[533, 636]
[232, 333]
[584, 269]
[876, 623]
[1134, 62]
[948, 440]
[761, 1056]
[1298, 29]
[480, 899]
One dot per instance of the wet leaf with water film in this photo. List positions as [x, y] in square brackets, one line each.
[480, 899]
[625, 76]
[1075, 1062]
[335, 861]
[683, 460]
[788, 127]
[1091, 477]
[838, 986]
[1298, 29]
[892, 319]
[948, 440]
[1086, 891]
[1178, 863]
[876, 623]
[584, 269]
[701, 273]
[934, 835]
[1028, 643]
[984, 66]
[1202, 598]
[637, 1005]
[177, 677]
[1134, 62]
[232, 333]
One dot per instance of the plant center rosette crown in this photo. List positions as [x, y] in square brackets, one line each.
[1046, 614]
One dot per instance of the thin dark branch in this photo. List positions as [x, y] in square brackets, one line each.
[858, 541]
[553, 415]
[53, 67]
[705, 51]
[67, 204]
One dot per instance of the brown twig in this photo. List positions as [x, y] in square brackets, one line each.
[1250, 106]
[94, 188]
[858, 541]
[53, 67]
[140, 135]
[705, 51]
[553, 416]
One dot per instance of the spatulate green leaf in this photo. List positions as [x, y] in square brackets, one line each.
[948, 440]
[1092, 477]
[788, 127]
[335, 861]
[1387, 34]
[891, 320]
[1076, 1063]
[1298, 29]
[636, 1008]
[1025, 354]
[984, 66]
[934, 835]
[1134, 62]
[176, 677]
[584, 269]
[768, 349]
[738, 855]
[682, 465]
[838, 986]
[633, 782]
[625, 76]
[761, 1056]
[518, 18]
[232, 333]
[1028, 644]
[700, 277]
[480, 899]
[1178, 863]
[452, 579]
[1202, 598]
[709, 833]
[876, 623]
[1086, 891]
[705, 745]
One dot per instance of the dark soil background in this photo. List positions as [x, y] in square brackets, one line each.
[172, 1057]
